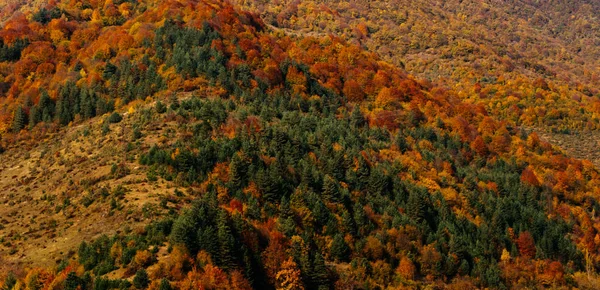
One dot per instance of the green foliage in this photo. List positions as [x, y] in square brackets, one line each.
[160, 107]
[339, 249]
[19, 119]
[164, 285]
[114, 118]
[317, 174]
[101, 283]
[72, 281]
[10, 282]
[44, 15]
[119, 170]
[12, 52]
[141, 279]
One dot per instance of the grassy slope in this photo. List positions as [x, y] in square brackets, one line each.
[74, 165]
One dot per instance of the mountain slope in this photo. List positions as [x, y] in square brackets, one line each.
[311, 163]
[530, 62]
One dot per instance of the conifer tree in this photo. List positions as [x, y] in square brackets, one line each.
[19, 119]
[237, 169]
[319, 275]
[357, 120]
[330, 189]
[164, 284]
[226, 242]
[141, 279]
[339, 249]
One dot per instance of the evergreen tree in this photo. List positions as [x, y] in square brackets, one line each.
[184, 232]
[237, 169]
[249, 272]
[19, 120]
[164, 284]
[378, 182]
[401, 143]
[226, 242]
[357, 120]
[72, 281]
[362, 173]
[141, 279]
[319, 275]
[415, 207]
[339, 248]
[348, 223]
[114, 118]
[330, 189]
[34, 116]
[10, 282]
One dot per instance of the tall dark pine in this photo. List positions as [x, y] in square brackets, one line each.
[362, 173]
[330, 189]
[357, 119]
[226, 242]
[19, 120]
[237, 169]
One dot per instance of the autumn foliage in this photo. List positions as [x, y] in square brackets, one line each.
[307, 161]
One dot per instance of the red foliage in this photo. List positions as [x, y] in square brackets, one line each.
[479, 146]
[528, 177]
[526, 245]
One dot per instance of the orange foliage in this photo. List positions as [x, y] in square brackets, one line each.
[406, 269]
[289, 277]
[529, 177]
[353, 91]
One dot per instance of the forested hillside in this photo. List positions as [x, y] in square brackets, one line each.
[235, 155]
[534, 63]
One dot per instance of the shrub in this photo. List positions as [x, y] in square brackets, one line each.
[114, 118]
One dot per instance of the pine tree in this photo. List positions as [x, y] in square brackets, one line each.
[63, 111]
[160, 107]
[319, 275]
[46, 107]
[330, 189]
[141, 279]
[164, 284]
[401, 143]
[338, 165]
[339, 249]
[206, 241]
[362, 173]
[19, 120]
[416, 205]
[184, 232]
[357, 120]
[35, 116]
[378, 182]
[348, 223]
[248, 266]
[9, 282]
[237, 169]
[226, 242]
[72, 281]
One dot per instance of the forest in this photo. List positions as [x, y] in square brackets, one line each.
[294, 161]
[534, 63]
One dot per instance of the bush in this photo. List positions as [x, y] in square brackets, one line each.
[119, 170]
[114, 118]
[160, 107]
